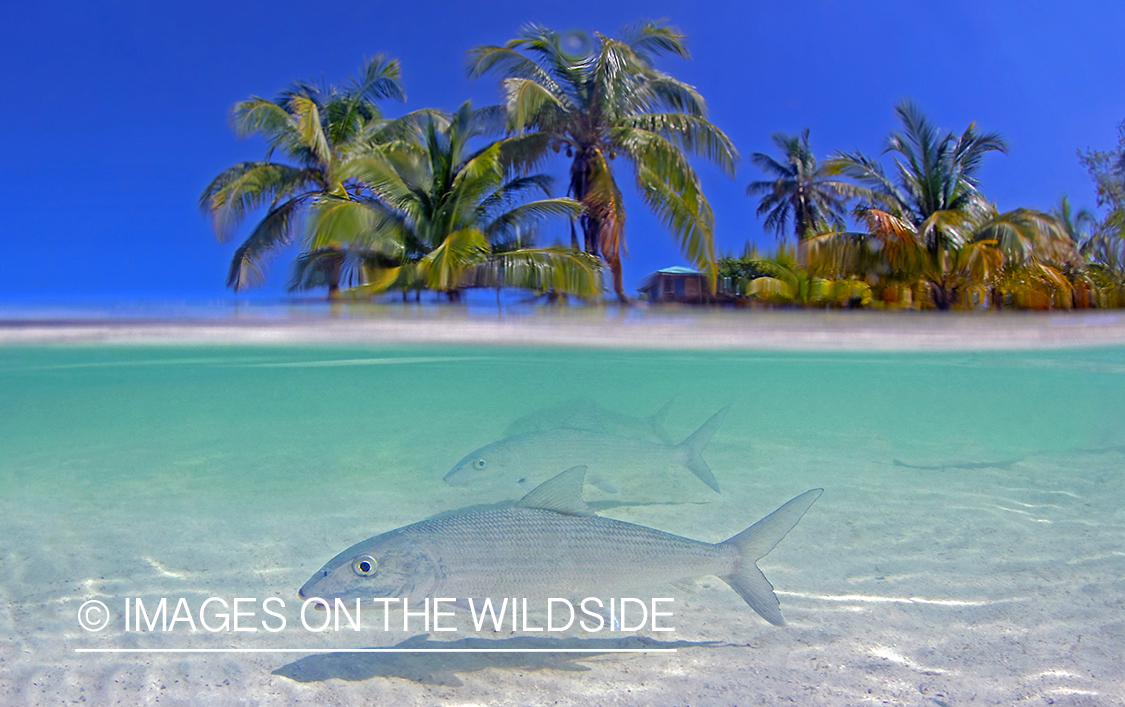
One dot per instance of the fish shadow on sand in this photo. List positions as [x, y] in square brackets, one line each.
[441, 668]
[1005, 464]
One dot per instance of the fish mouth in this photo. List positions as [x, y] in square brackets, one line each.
[453, 479]
[305, 596]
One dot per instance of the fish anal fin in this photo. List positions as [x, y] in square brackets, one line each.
[561, 494]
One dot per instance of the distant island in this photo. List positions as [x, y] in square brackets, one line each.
[447, 202]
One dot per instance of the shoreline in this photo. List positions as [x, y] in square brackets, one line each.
[629, 329]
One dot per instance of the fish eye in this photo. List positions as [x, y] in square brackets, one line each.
[365, 565]
[480, 464]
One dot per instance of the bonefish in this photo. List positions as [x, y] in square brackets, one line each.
[532, 458]
[550, 545]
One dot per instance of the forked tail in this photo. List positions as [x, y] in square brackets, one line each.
[755, 543]
[694, 445]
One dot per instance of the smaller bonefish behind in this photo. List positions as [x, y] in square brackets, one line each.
[530, 459]
[549, 545]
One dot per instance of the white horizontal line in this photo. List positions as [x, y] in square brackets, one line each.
[374, 650]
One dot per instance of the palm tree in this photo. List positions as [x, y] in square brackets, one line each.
[1105, 248]
[1077, 225]
[801, 192]
[932, 222]
[613, 102]
[433, 214]
[1105, 251]
[319, 128]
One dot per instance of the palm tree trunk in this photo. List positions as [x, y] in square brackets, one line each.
[333, 277]
[580, 179]
[614, 261]
[943, 298]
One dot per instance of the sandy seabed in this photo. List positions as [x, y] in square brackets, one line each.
[888, 601]
[902, 585]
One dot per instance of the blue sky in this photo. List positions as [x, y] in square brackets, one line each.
[115, 113]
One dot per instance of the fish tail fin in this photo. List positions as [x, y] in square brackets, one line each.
[755, 543]
[656, 422]
[697, 442]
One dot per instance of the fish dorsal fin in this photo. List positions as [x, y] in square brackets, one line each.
[561, 494]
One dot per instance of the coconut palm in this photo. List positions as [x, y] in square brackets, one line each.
[434, 214]
[931, 221]
[1077, 225]
[607, 103]
[318, 128]
[802, 193]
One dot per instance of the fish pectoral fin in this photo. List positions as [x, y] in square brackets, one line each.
[561, 494]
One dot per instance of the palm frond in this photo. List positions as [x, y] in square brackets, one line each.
[693, 133]
[306, 114]
[248, 186]
[443, 268]
[559, 270]
[275, 231]
[529, 103]
[527, 216]
[510, 63]
[685, 213]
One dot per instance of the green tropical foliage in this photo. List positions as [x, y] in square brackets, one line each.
[929, 221]
[446, 202]
[319, 129]
[608, 103]
[780, 279]
[435, 214]
[1105, 247]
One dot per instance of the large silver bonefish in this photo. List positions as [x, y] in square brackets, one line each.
[549, 545]
[532, 458]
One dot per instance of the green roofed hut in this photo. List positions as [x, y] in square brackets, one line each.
[677, 284]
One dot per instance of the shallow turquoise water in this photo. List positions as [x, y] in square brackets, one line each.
[237, 471]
